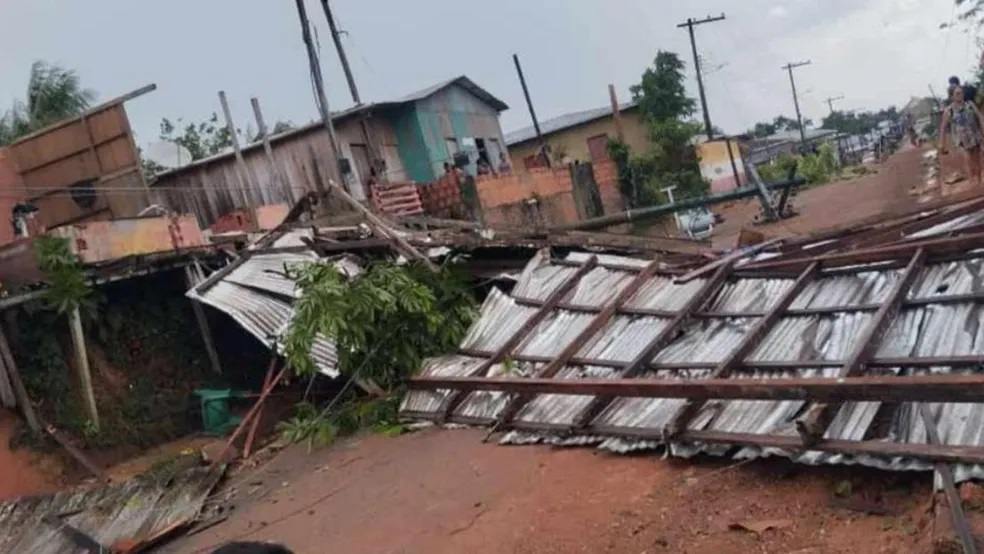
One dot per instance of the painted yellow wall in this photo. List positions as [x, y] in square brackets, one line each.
[574, 140]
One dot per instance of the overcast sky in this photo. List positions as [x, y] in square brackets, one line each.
[873, 52]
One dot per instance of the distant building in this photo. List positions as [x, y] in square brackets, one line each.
[416, 135]
[579, 136]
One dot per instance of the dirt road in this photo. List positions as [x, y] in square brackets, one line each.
[443, 491]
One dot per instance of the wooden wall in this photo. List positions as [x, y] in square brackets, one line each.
[82, 169]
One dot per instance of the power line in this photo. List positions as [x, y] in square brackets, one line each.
[690, 24]
[792, 83]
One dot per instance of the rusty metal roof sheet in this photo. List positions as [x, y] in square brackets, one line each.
[943, 329]
[120, 516]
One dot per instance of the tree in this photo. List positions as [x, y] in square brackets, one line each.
[778, 123]
[201, 139]
[856, 123]
[53, 94]
[671, 160]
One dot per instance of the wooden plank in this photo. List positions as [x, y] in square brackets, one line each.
[728, 259]
[924, 388]
[203, 326]
[20, 391]
[452, 400]
[79, 456]
[276, 173]
[813, 424]
[935, 247]
[953, 500]
[82, 367]
[748, 343]
[641, 362]
[248, 182]
[555, 365]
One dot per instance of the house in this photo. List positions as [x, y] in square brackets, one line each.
[415, 135]
[581, 136]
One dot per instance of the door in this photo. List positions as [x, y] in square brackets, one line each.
[598, 148]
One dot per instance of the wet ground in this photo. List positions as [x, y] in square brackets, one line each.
[444, 491]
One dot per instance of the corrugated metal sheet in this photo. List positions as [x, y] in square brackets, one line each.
[118, 516]
[930, 330]
[258, 296]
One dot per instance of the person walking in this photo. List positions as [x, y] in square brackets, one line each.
[967, 125]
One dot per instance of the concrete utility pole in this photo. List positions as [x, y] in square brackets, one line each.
[690, 24]
[830, 102]
[799, 118]
[319, 88]
[529, 104]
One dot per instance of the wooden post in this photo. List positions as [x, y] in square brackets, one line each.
[276, 173]
[27, 407]
[203, 327]
[247, 178]
[616, 114]
[383, 229]
[82, 366]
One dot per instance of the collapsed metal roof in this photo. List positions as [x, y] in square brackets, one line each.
[819, 322]
[257, 293]
[121, 517]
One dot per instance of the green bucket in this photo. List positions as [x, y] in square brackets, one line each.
[217, 418]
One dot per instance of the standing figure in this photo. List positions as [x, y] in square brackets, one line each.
[967, 125]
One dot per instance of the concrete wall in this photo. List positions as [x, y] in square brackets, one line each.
[574, 140]
[715, 164]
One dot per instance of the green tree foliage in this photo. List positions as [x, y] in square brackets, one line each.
[778, 123]
[384, 322]
[67, 288]
[202, 140]
[856, 123]
[53, 94]
[671, 160]
[816, 168]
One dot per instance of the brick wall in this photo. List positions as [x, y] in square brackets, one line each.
[539, 197]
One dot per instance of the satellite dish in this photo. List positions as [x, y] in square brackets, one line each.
[167, 154]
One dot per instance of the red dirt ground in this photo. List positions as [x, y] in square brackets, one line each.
[23, 472]
[843, 203]
[444, 491]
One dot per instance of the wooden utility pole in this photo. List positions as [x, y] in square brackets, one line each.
[276, 173]
[792, 83]
[82, 366]
[830, 102]
[248, 179]
[616, 113]
[319, 89]
[203, 327]
[690, 24]
[20, 391]
[336, 36]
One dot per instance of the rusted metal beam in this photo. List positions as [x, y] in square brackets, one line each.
[672, 330]
[967, 360]
[933, 248]
[555, 365]
[928, 388]
[748, 343]
[452, 400]
[813, 424]
[953, 500]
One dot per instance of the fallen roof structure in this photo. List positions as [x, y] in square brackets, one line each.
[753, 362]
[122, 517]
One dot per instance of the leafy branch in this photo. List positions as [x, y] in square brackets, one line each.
[67, 288]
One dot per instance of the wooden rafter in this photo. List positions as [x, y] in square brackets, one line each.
[452, 401]
[641, 362]
[922, 388]
[814, 423]
[556, 364]
[748, 343]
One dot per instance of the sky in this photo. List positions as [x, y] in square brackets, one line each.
[875, 53]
